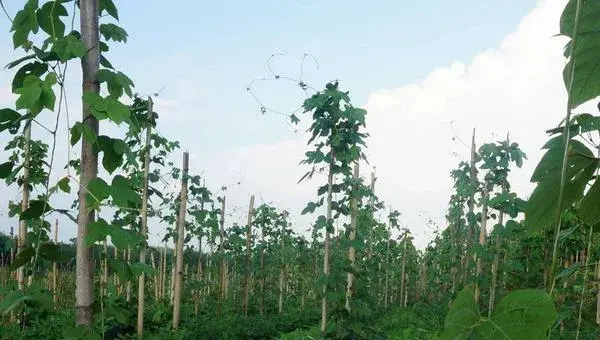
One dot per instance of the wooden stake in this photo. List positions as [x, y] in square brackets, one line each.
[55, 268]
[24, 204]
[326, 245]
[351, 250]
[180, 239]
[248, 254]
[144, 217]
[90, 64]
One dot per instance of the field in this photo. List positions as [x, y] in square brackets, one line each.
[502, 266]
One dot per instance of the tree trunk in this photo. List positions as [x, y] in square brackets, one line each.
[351, 250]
[90, 63]
[326, 245]
[248, 254]
[180, 239]
[144, 222]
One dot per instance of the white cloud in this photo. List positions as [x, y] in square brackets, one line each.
[516, 88]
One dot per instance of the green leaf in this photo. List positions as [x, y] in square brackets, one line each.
[98, 190]
[138, 268]
[522, 315]
[6, 169]
[587, 54]
[63, 184]
[22, 258]
[541, 210]
[34, 68]
[113, 32]
[48, 18]
[462, 316]
[109, 7]
[122, 269]
[68, 47]
[30, 93]
[25, 22]
[97, 231]
[117, 111]
[36, 209]
[111, 159]
[51, 252]
[9, 119]
[589, 207]
[123, 238]
[122, 193]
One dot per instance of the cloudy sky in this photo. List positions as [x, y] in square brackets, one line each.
[427, 72]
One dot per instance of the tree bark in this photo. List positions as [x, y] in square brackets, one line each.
[90, 63]
[471, 208]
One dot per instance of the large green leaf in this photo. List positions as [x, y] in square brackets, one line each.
[6, 169]
[48, 17]
[36, 209]
[97, 231]
[123, 238]
[586, 85]
[23, 258]
[589, 208]
[462, 316]
[541, 210]
[522, 315]
[98, 190]
[9, 119]
[122, 193]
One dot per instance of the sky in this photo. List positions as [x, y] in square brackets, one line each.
[428, 72]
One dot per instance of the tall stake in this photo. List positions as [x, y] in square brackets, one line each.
[55, 268]
[248, 254]
[351, 250]
[90, 63]
[471, 208]
[223, 268]
[370, 232]
[403, 290]
[24, 204]
[180, 239]
[326, 245]
[482, 237]
[142, 279]
[387, 263]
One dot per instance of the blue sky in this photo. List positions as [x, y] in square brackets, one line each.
[205, 53]
[416, 66]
